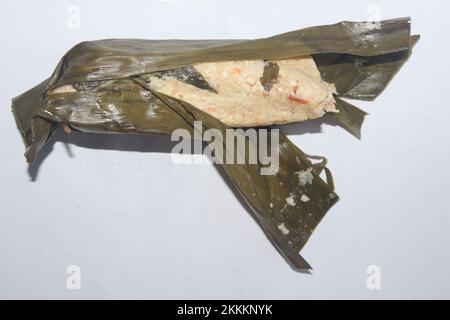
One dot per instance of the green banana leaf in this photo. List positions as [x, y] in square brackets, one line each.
[360, 78]
[358, 58]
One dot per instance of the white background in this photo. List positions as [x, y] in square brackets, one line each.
[141, 227]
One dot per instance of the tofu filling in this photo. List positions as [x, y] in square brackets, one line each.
[255, 93]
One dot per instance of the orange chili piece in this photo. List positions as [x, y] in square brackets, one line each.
[297, 100]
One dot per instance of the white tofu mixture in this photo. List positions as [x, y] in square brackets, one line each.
[297, 94]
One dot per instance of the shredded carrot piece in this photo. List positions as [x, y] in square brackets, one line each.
[237, 70]
[297, 100]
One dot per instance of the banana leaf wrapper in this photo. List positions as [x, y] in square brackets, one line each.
[358, 58]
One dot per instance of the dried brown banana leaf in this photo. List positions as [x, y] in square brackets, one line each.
[109, 92]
